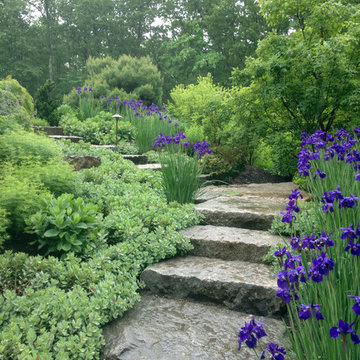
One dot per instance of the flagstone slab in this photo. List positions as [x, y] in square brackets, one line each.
[267, 190]
[154, 167]
[74, 139]
[239, 285]
[160, 328]
[136, 159]
[49, 130]
[255, 213]
[229, 243]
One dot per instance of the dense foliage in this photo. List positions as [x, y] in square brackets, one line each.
[55, 307]
[54, 39]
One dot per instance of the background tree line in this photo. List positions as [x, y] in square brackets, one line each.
[53, 39]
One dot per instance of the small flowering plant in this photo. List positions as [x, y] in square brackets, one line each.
[181, 172]
[319, 278]
[250, 335]
[88, 105]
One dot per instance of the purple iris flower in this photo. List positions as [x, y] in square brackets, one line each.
[348, 201]
[344, 328]
[321, 267]
[353, 247]
[320, 173]
[280, 252]
[306, 311]
[348, 233]
[356, 306]
[250, 333]
[275, 350]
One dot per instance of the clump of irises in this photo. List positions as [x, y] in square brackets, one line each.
[180, 170]
[199, 148]
[319, 278]
[148, 120]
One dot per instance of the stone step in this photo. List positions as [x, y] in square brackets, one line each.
[73, 139]
[256, 213]
[136, 159]
[155, 167]
[265, 190]
[159, 328]
[49, 130]
[239, 285]
[83, 161]
[109, 147]
[229, 243]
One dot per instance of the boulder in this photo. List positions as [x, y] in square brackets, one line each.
[83, 162]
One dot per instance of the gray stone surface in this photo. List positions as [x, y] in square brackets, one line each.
[230, 243]
[155, 167]
[136, 159]
[239, 285]
[73, 139]
[49, 130]
[159, 328]
[255, 213]
[109, 147]
[83, 162]
[267, 190]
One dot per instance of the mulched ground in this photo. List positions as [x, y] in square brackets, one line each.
[252, 174]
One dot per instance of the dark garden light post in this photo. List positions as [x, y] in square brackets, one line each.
[117, 117]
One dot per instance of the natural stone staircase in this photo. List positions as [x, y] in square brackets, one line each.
[195, 305]
[56, 132]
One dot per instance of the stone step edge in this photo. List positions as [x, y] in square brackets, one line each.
[258, 297]
[230, 248]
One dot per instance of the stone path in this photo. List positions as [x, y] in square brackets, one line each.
[194, 306]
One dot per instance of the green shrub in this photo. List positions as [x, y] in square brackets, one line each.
[20, 146]
[19, 197]
[22, 96]
[56, 176]
[65, 224]
[46, 103]
[152, 157]
[202, 105]
[127, 77]
[4, 223]
[7, 124]
[100, 129]
[12, 114]
[225, 163]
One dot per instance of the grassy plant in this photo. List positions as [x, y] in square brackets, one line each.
[180, 172]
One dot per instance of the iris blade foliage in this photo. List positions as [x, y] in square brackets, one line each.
[180, 172]
[319, 279]
[149, 122]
